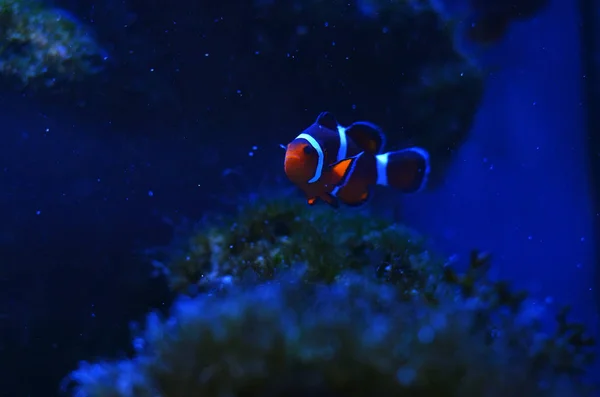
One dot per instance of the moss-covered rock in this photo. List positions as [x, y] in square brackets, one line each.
[41, 47]
[354, 337]
[288, 299]
[268, 236]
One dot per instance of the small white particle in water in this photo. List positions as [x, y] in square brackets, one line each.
[98, 180]
[582, 239]
[38, 212]
[254, 147]
[461, 74]
[152, 69]
[529, 237]
[150, 193]
[206, 54]
[250, 154]
[47, 129]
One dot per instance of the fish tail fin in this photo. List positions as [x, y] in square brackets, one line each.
[406, 170]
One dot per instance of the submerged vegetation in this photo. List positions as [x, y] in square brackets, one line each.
[286, 299]
[264, 238]
[42, 46]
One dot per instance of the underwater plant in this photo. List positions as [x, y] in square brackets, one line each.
[41, 47]
[353, 337]
[290, 305]
[265, 237]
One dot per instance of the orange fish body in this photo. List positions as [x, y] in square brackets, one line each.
[334, 163]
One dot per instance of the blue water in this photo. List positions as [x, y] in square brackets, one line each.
[83, 193]
[520, 185]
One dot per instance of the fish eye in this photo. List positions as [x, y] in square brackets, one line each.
[308, 149]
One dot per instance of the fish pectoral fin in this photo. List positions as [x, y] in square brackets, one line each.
[367, 136]
[329, 199]
[311, 200]
[327, 120]
[340, 170]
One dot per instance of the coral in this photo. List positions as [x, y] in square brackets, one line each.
[267, 236]
[42, 47]
[354, 337]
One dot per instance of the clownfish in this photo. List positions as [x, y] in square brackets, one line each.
[342, 164]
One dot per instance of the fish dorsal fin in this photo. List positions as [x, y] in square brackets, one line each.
[367, 136]
[339, 170]
[327, 120]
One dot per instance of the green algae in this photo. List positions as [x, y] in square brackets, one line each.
[41, 47]
[356, 336]
[268, 237]
[386, 317]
